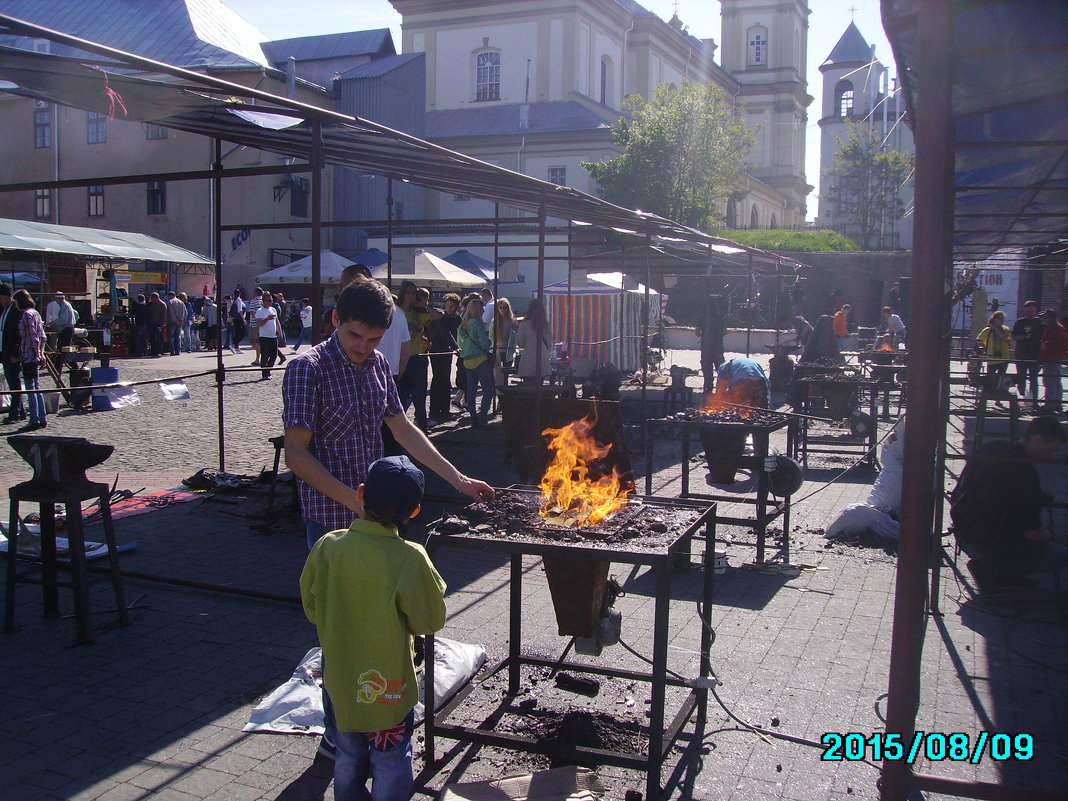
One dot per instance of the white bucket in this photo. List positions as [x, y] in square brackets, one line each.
[719, 562]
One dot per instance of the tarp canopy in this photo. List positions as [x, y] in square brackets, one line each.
[476, 265]
[300, 271]
[597, 284]
[433, 272]
[91, 243]
[1009, 108]
[601, 318]
[372, 257]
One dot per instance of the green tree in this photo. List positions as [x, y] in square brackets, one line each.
[681, 155]
[866, 184]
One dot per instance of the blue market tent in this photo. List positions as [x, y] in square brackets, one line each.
[476, 265]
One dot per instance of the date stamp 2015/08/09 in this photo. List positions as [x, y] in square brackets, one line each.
[931, 745]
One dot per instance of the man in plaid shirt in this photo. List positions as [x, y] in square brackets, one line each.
[336, 397]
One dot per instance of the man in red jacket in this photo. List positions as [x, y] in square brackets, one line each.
[1053, 351]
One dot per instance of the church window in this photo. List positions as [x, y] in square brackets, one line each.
[843, 94]
[732, 214]
[96, 201]
[754, 220]
[488, 75]
[774, 222]
[607, 88]
[758, 46]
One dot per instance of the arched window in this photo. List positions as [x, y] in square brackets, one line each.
[757, 39]
[754, 220]
[732, 213]
[774, 222]
[843, 98]
[488, 75]
[607, 85]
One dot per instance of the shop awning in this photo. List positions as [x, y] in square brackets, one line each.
[91, 243]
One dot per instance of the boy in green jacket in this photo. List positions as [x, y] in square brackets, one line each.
[368, 591]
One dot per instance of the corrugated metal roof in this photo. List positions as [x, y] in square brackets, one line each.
[92, 242]
[381, 66]
[334, 45]
[556, 115]
[851, 48]
[187, 33]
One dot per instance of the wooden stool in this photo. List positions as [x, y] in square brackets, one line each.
[71, 497]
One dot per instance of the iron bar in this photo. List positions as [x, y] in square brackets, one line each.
[931, 261]
[220, 370]
[316, 231]
[141, 178]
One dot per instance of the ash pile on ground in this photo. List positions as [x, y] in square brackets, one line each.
[514, 516]
[580, 728]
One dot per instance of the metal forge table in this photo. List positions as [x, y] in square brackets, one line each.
[766, 510]
[660, 738]
[839, 408]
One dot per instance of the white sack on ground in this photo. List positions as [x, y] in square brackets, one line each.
[296, 707]
[883, 500]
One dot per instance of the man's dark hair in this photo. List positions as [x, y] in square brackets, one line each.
[365, 301]
[1047, 427]
[6, 288]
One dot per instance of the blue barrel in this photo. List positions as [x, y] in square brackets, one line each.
[103, 375]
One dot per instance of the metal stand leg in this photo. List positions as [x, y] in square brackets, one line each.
[12, 553]
[79, 581]
[113, 560]
[515, 624]
[49, 571]
[659, 686]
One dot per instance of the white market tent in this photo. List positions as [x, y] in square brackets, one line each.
[601, 316]
[299, 271]
[433, 272]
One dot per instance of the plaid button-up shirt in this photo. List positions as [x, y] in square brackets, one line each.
[343, 404]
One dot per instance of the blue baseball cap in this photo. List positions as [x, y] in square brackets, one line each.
[393, 484]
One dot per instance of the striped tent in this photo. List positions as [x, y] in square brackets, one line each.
[600, 318]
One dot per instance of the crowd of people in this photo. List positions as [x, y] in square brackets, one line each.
[1038, 345]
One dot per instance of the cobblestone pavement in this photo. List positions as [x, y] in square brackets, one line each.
[154, 710]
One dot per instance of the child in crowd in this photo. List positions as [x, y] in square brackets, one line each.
[368, 592]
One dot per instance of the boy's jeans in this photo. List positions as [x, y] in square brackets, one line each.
[359, 757]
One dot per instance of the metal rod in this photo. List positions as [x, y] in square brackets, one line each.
[317, 230]
[389, 234]
[220, 370]
[183, 175]
[930, 265]
[644, 361]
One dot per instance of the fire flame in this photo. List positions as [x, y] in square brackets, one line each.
[740, 398]
[884, 345]
[568, 492]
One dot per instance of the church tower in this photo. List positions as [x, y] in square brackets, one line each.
[764, 45]
[856, 88]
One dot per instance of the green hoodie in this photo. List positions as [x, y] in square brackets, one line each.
[368, 591]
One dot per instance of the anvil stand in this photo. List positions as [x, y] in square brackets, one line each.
[660, 740]
[59, 478]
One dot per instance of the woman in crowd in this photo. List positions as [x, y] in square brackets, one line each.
[31, 351]
[475, 352]
[994, 345]
[504, 335]
[533, 340]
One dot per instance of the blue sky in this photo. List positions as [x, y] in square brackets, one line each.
[828, 21]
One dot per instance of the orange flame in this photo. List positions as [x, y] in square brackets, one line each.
[568, 492]
[739, 398]
[884, 346]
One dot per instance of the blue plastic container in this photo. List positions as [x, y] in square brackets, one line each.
[103, 375]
